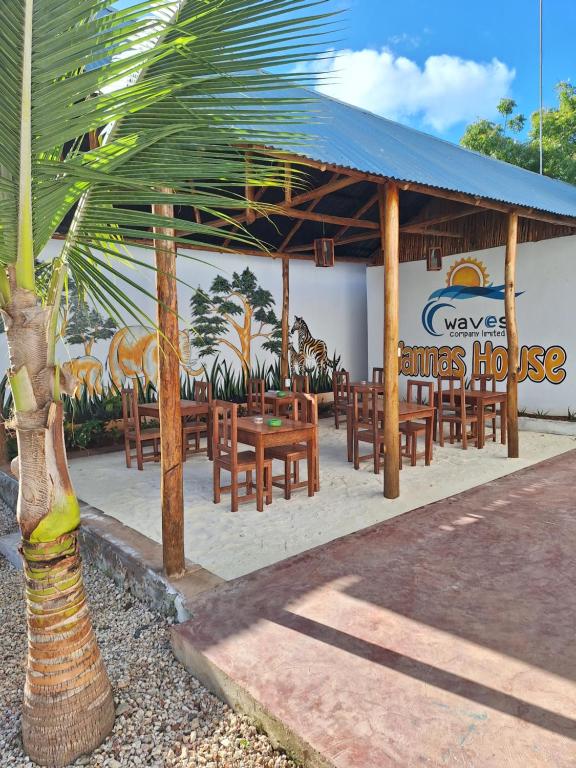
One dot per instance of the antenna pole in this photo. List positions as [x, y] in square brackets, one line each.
[541, 96]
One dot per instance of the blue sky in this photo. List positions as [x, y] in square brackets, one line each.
[438, 64]
[506, 30]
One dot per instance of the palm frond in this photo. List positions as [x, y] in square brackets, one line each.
[174, 91]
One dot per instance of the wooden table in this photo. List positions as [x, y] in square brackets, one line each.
[480, 400]
[262, 436]
[369, 384]
[187, 408]
[277, 401]
[406, 412]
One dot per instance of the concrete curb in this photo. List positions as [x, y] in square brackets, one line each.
[129, 558]
[547, 426]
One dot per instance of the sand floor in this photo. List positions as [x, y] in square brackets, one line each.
[234, 544]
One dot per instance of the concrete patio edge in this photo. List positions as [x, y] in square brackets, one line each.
[127, 556]
[240, 699]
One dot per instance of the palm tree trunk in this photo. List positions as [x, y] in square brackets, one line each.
[68, 704]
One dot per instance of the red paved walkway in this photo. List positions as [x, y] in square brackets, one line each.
[444, 637]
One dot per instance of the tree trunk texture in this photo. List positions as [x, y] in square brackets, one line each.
[171, 487]
[68, 705]
[512, 336]
[390, 238]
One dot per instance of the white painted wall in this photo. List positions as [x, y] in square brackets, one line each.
[546, 311]
[332, 301]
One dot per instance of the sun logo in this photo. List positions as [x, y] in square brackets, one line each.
[468, 272]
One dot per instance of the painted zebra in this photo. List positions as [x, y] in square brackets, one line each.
[309, 348]
[297, 361]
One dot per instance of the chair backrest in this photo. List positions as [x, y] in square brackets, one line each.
[341, 387]
[224, 429]
[255, 396]
[301, 384]
[361, 405]
[485, 382]
[306, 408]
[453, 395]
[130, 416]
[377, 375]
[420, 391]
[202, 391]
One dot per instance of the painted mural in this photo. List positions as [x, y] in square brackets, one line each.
[133, 353]
[234, 314]
[312, 354]
[232, 322]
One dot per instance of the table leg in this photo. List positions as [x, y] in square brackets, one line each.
[349, 432]
[310, 465]
[209, 433]
[316, 461]
[259, 473]
[481, 426]
[429, 436]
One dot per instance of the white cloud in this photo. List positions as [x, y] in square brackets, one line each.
[447, 90]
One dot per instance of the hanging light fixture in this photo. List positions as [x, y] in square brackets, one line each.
[434, 259]
[324, 252]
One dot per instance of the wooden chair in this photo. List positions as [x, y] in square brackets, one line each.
[301, 384]
[486, 382]
[227, 457]
[305, 409]
[366, 424]
[197, 426]
[420, 392]
[455, 410]
[133, 433]
[255, 397]
[342, 398]
[368, 427]
[378, 375]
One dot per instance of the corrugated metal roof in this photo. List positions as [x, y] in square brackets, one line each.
[346, 136]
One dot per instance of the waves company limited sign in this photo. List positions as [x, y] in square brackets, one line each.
[445, 313]
[469, 310]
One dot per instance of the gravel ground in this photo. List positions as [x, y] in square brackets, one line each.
[165, 718]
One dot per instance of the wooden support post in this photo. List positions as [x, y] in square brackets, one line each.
[284, 367]
[388, 203]
[512, 334]
[171, 489]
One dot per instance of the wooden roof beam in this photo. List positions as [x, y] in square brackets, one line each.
[286, 209]
[428, 231]
[265, 254]
[445, 194]
[325, 218]
[297, 224]
[421, 220]
[359, 213]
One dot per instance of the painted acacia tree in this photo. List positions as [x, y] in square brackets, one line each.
[84, 324]
[171, 90]
[239, 307]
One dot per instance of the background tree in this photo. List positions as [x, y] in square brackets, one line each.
[504, 142]
[171, 90]
[240, 306]
[84, 324]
